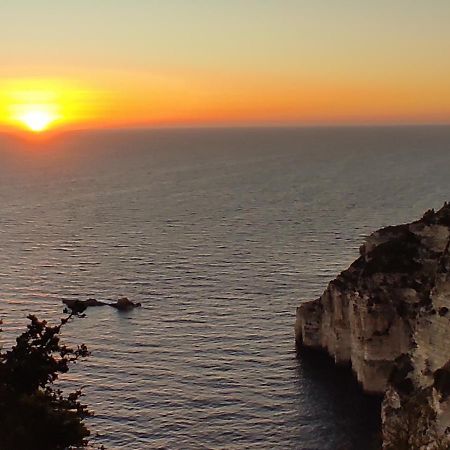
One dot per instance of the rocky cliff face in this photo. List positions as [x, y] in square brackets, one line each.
[388, 316]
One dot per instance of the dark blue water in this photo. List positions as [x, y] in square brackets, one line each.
[220, 234]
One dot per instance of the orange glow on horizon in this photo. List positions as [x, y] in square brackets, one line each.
[121, 65]
[133, 99]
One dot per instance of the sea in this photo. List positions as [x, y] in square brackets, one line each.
[220, 234]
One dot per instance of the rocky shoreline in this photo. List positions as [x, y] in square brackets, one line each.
[388, 316]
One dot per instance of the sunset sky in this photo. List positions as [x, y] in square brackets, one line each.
[206, 62]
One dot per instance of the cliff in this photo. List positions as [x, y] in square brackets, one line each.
[388, 316]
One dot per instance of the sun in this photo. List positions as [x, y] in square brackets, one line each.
[41, 105]
[37, 120]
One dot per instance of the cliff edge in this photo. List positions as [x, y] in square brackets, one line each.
[388, 315]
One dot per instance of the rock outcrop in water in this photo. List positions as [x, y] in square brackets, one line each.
[79, 306]
[123, 304]
[388, 316]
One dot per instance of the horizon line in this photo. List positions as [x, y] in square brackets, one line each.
[13, 132]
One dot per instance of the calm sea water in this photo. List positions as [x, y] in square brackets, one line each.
[220, 234]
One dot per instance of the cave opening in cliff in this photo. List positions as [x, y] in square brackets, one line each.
[349, 416]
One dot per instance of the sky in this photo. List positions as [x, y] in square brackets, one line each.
[218, 62]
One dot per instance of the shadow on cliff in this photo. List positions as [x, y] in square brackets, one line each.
[344, 416]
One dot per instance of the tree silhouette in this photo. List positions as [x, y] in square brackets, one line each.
[34, 414]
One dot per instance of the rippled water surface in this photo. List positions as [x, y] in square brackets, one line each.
[220, 234]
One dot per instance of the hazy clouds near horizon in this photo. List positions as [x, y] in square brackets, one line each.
[222, 61]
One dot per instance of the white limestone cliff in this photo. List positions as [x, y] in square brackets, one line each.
[388, 315]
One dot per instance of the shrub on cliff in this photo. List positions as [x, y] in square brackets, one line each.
[413, 426]
[34, 414]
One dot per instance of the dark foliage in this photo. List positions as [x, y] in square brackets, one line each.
[413, 426]
[34, 414]
[442, 380]
[398, 255]
[399, 375]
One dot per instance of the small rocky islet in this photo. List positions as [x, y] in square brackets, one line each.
[388, 317]
[79, 306]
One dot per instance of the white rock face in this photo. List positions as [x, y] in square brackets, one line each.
[388, 315]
